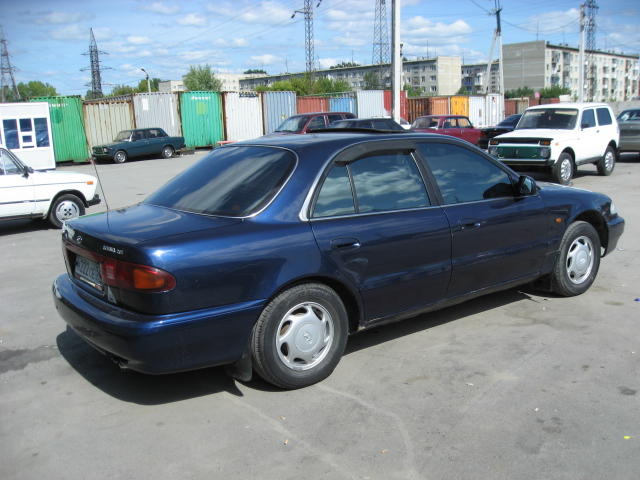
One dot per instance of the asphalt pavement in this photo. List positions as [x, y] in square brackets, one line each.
[514, 385]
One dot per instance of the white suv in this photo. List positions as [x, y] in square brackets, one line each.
[58, 196]
[560, 137]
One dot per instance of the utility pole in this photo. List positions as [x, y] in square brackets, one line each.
[380, 55]
[94, 66]
[497, 38]
[591, 9]
[7, 79]
[581, 57]
[396, 61]
[148, 83]
[308, 33]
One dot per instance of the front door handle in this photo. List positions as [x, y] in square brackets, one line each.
[469, 224]
[345, 243]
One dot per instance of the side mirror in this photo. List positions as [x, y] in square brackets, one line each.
[26, 170]
[526, 186]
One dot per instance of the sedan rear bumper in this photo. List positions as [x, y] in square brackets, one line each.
[157, 344]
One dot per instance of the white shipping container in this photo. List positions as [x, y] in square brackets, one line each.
[25, 129]
[494, 109]
[242, 116]
[158, 110]
[104, 119]
[370, 103]
[477, 111]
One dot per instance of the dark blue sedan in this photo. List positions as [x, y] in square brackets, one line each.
[268, 253]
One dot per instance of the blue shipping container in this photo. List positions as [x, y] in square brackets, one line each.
[276, 108]
[342, 104]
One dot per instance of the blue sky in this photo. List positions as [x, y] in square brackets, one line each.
[47, 38]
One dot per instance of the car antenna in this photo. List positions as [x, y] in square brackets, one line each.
[104, 195]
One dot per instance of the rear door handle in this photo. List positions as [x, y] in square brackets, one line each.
[345, 243]
[469, 224]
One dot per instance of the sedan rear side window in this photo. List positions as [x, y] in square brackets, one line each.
[464, 176]
[230, 182]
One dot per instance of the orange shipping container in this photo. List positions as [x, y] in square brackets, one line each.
[460, 105]
[438, 106]
[312, 104]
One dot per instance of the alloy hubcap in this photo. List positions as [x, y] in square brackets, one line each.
[608, 161]
[67, 210]
[304, 336]
[580, 259]
[167, 152]
[119, 157]
[565, 169]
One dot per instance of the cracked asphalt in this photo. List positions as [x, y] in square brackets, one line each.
[514, 385]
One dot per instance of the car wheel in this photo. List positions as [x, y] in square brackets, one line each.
[300, 336]
[607, 163]
[562, 171]
[168, 152]
[65, 207]
[120, 156]
[578, 262]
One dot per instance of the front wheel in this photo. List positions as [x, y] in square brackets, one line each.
[120, 156]
[65, 207]
[300, 336]
[608, 162]
[562, 171]
[578, 262]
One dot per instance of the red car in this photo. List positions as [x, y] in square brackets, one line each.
[454, 125]
[304, 122]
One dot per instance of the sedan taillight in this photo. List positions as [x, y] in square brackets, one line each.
[133, 276]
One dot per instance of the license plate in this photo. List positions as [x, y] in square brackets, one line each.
[88, 271]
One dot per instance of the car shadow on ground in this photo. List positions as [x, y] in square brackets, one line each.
[12, 227]
[139, 388]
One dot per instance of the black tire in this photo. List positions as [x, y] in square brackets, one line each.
[167, 151]
[65, 207]
[578, 262]
[309, 315]
[607, 163]
[120, 156]
[563, 170]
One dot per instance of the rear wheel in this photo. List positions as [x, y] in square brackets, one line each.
[300, 336]
[562, 171]
[608, 162]
[65, 207]
[168, 152]
[578, 262]
[120, 156]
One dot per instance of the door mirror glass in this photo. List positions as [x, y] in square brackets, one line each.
[526, 185]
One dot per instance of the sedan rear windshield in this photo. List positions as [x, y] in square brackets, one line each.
[230, 181]
[557, 118]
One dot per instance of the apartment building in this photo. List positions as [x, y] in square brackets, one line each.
[608, 76]
[473, 76]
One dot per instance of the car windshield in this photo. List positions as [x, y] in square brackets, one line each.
[230, 182]
[629, 116]
[556, 118]
[123, 136]
[510, 121]
[292, 124]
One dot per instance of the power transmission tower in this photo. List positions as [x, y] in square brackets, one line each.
[7, 80]
[591, 10]
[308, 33]
[381, 50]
[95, 66]
[497, 38]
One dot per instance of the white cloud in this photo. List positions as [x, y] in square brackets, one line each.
[329, 62]
[423, 27]
[197, 54]
[76, 32]
[553, 22]
[138, 40]
[240, 42]
[61, 18]
[266, 59]
[267, 13]
[193, 20]
[163, 8]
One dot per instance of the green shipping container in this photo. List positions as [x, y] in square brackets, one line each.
[201, 114]
[67, 128]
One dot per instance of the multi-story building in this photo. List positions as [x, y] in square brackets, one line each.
[608, 76]
[473, 76]
[172, 86]
[436, 76]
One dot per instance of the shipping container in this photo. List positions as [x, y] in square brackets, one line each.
[477, 111]
[523, 104]
[343, 103]
[510, 106]
[459, 105]
[276, 108]
[67, 129]
[153, 110]
[312, 104]
[438, 105]
[25, 129]
[547, 101]
[494, 108]
[201, 115]
[417, 107]
[370, 103]
[242, 115]
[105, 118]
[403, 103]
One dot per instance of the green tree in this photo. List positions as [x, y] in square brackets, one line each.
[519, 92]
[119, 90]
[200, 77]
[413, 91]
[554, 92]
[142, 85]
[306, 85]
[345, 65]
[463, 91]
[371, 81]
[254, 70]
[35, 88]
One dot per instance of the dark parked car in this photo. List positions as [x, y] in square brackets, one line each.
[268, 253]
[629, 123]
[384, 124]
[505, 126]
[138, 143]
[453, 125]
[310, 121]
